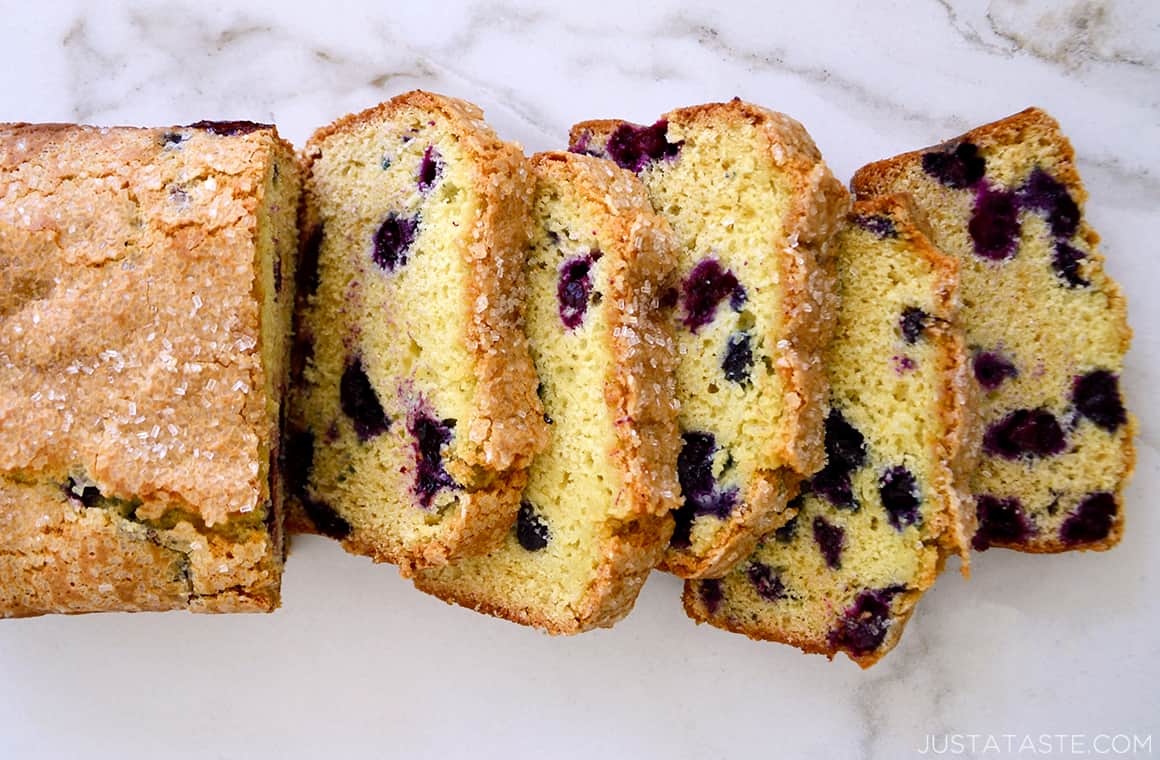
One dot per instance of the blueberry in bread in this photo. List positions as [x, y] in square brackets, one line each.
[146, 286]
[1046, 327]
[414, 414]
[875, 525]
[752, 205]
[596, 515]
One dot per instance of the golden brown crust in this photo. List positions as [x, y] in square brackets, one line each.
[639, 392]
[1031, 125]
[904, 609]
[507, 428]
[820, 202]
[131, 340]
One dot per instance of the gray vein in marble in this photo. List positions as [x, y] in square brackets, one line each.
[1070, 37]
[1086, 25]
[86, 60]
[710, 38]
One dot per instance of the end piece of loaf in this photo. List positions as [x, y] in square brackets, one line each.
[146, 286]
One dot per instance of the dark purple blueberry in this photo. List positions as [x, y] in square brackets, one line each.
[766, 582]
[531, 530]
[831, 539]
[1043, 192]
[298, 460]
[669, 298]
[845, 452]
[431, 435]
[229, 128]
[865, 623]
[393, 241]
[786, 533]
[992, 369]
[878, 224]
[89, 496]
[711, 594]
[683, 517]
[994, 224]
[695, 471]
[899, 492]
[632, 146]
[1030, 432]
[1001, 521]
[361, 403]
[326, 520]
[429, 168]
[574, 288]
[306, 276]
[277, 271]
[957, 165]
[844, 444]
[1065, 263]
[172, 139]
[580, 144]
[912, 324]
[1096, 396]
[738, 358]
[702, 496]
[706, 286]
[833, 484]
[1091, 521]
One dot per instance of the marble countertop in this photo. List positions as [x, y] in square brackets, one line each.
[358, 661]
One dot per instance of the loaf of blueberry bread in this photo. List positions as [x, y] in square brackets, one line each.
[1046, 327]
[874, 526]
[596, 515]
[414, 414]
[146, 285]
[752, 206]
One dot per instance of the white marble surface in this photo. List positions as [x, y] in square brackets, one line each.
[358, 661]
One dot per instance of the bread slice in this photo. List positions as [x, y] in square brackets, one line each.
[1046, 326]
[415, 415]
[752, 205]
[874, 527]
[146, 286]
[595, 517]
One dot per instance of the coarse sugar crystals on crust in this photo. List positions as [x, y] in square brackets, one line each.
[414, 414]
[146, 287]
[874, 526]
[1045, 325]
[753, 206]
[596, 514]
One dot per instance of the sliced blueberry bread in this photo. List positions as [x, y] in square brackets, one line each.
[1046, 327]
[146, 286]
[874, 527]
[752, 206]
[596, 515]
[414, 415]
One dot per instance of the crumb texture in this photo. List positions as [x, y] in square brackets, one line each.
[753, 207]
[1045, 325]
[145, 295]
[874, 526]
[414, 415]
[595, 516]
